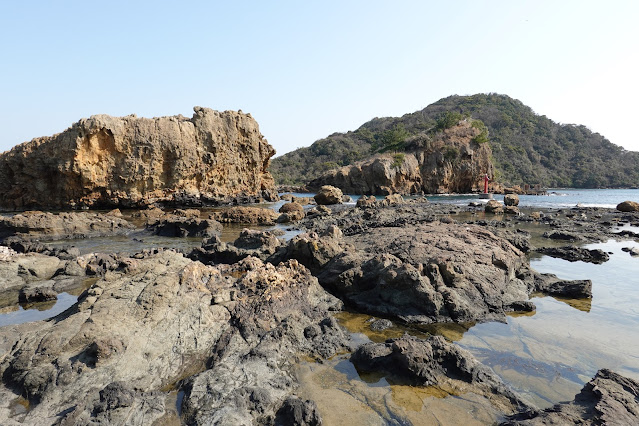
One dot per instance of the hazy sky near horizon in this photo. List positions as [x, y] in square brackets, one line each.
[307, 69]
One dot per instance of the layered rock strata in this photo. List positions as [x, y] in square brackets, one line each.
[129, 161]
[449, 162]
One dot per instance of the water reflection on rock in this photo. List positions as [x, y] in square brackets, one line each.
[378, 402]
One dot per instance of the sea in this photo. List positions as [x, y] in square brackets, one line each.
[546, 355]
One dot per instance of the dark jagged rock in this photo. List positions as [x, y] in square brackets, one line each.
[562, 235]
[178, 226]
[634, 251]
[242, 214]
[435, 362]
[574, 254]
[34, 294]
[607, 399]
[575, 289]
[295, 412]
[429, 272]
[28, 246]
[261, 244]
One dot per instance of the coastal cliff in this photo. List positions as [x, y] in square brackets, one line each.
[449, 161]
[105, 161]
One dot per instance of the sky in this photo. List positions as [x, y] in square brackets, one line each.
[307, 69]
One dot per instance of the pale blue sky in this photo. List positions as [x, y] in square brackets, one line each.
[307, 69]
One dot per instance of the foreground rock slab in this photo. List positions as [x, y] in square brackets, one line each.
[140, 332]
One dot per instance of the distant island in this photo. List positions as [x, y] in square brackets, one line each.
[527, 148]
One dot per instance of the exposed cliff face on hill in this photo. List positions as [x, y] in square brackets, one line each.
[448, 161]
[527, 148]
[129, 161]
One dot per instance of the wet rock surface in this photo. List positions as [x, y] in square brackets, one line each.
[260, 244]
[433, 362]
[574, 254]
[173, 225]
[607, 399]
[242, 214]
[43, 225]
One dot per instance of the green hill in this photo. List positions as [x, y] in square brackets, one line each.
[527, 148]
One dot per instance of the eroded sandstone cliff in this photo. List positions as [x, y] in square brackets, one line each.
[130, 161]
[447, 162]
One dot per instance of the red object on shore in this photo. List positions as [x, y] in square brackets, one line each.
[486, 179]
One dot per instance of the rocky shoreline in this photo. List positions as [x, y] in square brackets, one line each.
[222, 326]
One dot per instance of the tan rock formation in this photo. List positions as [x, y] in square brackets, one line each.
[448, 162]
[129, 161]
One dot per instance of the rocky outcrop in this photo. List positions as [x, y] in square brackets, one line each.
[226, 336]
[607, 399]
[436, 362]
[49, 226]
[403, 262]
[129, 161]
[259, 244]
[574, 254]
[432, 272]
[450, 161]
[183, 223]
[242, 214]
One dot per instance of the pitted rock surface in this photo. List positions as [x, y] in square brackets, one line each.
[105, 161]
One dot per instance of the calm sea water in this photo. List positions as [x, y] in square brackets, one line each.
[556, 198]
[550, 354]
